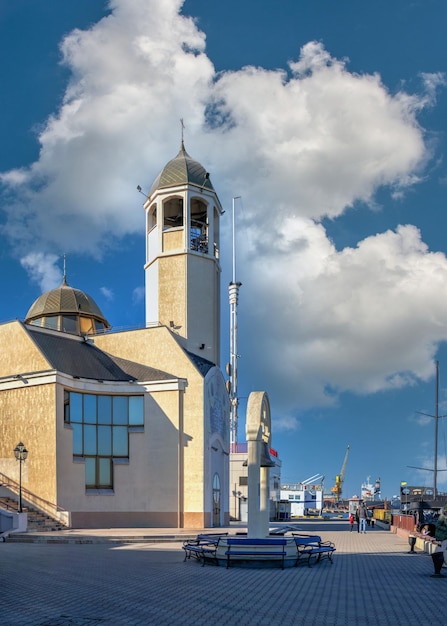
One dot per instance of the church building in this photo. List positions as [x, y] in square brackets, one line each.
[128, 428]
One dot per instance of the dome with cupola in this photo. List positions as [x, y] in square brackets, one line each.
[180, 171]
[67, 310]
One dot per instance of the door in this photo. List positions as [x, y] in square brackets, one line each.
[216, 501]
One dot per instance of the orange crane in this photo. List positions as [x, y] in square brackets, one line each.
[337, 488]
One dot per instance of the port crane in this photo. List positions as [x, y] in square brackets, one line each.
[338, 487]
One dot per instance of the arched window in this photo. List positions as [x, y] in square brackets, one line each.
[152, 218]
[216, 500]
[173, 213]
[198, 227]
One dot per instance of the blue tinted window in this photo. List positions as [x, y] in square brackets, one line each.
[90, 472]
[120, 409]
[76, 407]
[90, 440]
[105, 440]
[89, 409]
[120, 441]
[105, 472]
[78, 449]
[104, 409]
[136, 412]
[100, 425]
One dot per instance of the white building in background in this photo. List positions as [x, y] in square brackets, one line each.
[300, 499]
[239, 482]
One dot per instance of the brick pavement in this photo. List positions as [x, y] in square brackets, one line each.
[373, 581]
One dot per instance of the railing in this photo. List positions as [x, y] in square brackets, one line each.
[406, 522]
[198, 243]
[44, 506]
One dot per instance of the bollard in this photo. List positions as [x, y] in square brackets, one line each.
[438, 561]
[412, 542]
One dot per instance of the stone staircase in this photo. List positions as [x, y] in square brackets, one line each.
[37, 521]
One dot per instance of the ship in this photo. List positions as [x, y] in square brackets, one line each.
[370, 491]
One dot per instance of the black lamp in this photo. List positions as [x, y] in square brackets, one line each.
[20, 452]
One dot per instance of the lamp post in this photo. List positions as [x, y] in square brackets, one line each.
[20, 452]
[237, 504]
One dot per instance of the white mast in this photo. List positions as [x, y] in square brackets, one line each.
[234, 294]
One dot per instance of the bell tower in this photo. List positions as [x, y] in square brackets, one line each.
[182, 266]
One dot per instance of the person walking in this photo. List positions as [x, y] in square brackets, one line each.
[357, 519]
[351, 521]
[363, 516]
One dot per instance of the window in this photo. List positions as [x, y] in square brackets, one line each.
[87, 325]
[152, 218]
[199, 226]
[51, 322]
[173, 213]
[243, 481]
[100, 426]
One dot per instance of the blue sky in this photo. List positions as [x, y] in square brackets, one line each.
[328, 118]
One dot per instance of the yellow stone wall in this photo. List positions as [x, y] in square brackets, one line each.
[173, 240]
[203, 307]
[27, 416]
[158, 348]
[172, 292]
[18, 352]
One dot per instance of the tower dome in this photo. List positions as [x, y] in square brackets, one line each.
[68, 310]
[180, 171]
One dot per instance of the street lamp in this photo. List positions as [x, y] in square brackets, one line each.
[20, 452]
[237, 499]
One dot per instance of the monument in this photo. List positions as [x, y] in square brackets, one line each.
[258, 434]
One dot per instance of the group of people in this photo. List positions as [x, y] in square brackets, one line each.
[361, 518]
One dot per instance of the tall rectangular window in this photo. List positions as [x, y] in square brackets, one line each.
[136, 411]
[120, 410]
[100, 426]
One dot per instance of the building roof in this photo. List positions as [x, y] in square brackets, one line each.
[82, 359]
[202, 364]
[65, 300]
[182, 170]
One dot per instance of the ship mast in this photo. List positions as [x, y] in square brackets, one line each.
[435, 481]
[437, 418]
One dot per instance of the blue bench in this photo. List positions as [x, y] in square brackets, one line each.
[203, 546]
[308, 546]
[244, 546]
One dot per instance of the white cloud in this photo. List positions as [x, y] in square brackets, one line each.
[107, 293]
[43, 270]
[328, 321]
[138, 295]
[301, 144]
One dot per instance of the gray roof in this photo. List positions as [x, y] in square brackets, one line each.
[82, 359]
[182, 170]
[203, 365]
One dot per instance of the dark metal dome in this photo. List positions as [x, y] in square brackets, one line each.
[182, 170]
[63, 301]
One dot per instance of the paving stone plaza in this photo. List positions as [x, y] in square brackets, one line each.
[82, 579]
